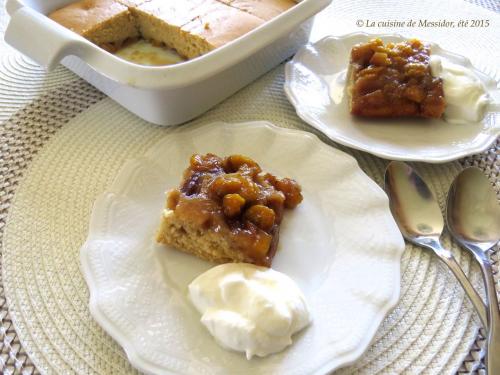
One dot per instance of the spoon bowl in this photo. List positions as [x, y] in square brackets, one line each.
[473, 214]
[420, 220]
[412, 203]
[473, 218]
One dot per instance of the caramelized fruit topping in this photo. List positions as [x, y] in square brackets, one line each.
[394, 80]
[234, 196]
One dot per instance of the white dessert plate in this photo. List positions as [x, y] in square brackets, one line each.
[341, 246]
[315, 85]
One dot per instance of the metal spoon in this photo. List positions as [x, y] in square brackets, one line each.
[419, 219]
[473, 217]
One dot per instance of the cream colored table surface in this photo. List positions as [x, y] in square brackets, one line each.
[55, 127]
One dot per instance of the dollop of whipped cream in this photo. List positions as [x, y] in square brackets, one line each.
[248, 308]
[465, 95]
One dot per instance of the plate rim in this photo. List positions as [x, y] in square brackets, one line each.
[127, 343]
[450, 156]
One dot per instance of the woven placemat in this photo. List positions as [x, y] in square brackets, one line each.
[433, 328]
[21, 137]
[26, 133]
[487, 4]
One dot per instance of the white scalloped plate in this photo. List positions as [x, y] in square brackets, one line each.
[315, 83]
[340, 245]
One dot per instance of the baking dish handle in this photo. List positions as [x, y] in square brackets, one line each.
[42, 39]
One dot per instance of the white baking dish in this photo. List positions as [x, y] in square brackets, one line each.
[165, 95]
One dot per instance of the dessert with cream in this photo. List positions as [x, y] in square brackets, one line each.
[394, 80]
[466, 96]
[249, 309]
[191, 27]
[227, 210]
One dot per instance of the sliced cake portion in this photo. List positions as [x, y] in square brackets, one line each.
[264, 9]
[192, 27]
[160, 21]
[393, 80]
[227, 210]
[106, 23]
[215, 25]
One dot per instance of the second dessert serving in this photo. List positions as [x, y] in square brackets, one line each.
[406, 80]
[394, 80]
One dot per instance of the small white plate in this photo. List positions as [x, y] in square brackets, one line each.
[341, 246]
[315, 85]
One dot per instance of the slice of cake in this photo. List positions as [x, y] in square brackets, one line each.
[215, 25]
[106, 23]
[192, 27]
[160, 21]
[264, 9]
[227, 210]
[393, 80]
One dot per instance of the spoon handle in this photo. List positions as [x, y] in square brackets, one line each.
[492, 357]
[493, 353]
[447, 257]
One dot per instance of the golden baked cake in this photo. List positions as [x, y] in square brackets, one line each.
[227, 210]
[393, 80]
[264, 9]
[215, 25]
[106, 23]
[191, 27]
[160, 21]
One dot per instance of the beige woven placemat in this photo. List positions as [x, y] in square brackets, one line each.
[432, 330]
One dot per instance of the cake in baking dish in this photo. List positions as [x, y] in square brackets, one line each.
[191, 27]
[227, 210]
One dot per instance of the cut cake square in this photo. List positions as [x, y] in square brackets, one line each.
[160, 21]
[106, 23]
[192, 27]
[215, 25]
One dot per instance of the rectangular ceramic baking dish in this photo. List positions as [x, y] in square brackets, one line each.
[165, 95]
